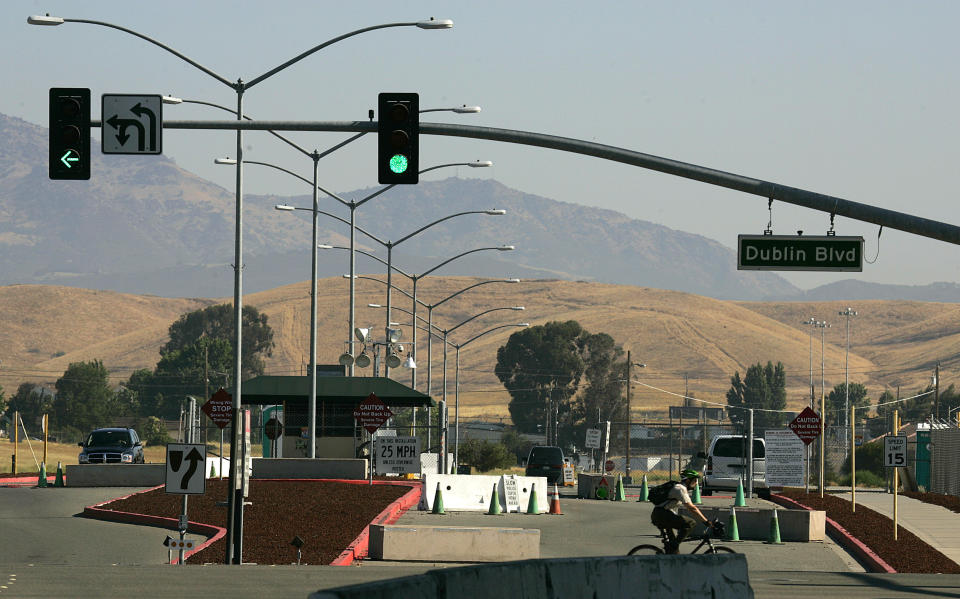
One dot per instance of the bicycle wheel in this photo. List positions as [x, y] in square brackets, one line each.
[645, 550]
[718, 549]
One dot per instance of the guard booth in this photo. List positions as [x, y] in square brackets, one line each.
[338, 435]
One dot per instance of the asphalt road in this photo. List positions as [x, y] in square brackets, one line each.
[49, 552]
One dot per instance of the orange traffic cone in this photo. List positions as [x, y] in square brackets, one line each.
[555, 502]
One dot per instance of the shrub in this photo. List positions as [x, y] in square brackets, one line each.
[485, 455]
[152, 431]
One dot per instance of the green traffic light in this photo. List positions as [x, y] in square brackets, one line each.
[399, 164]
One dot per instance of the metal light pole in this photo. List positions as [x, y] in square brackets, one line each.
[456, 426]
[234, 541]
[823, 411]
[630, 364]
[846, 369]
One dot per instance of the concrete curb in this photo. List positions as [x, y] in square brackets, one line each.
[214, 533]
[359, 548]
[852, 544]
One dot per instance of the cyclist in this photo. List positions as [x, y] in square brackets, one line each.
[667, 515]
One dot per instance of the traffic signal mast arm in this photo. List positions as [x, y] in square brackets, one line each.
[790, 195]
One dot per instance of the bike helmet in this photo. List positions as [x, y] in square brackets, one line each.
[689, 473]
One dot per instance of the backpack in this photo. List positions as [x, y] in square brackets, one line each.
[660, 493]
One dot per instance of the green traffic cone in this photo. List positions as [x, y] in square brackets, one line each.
[42, 479]
[696, 495]
[774, 530]
[58, 482]
[494, 503]
[620, 495]
[733, 533]
[644, 490]
[213, 470]
[532, 507]
[437, 502]
[740, 501]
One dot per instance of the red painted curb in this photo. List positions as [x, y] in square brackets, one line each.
[214, 533]
[358, 549]
[847, 540]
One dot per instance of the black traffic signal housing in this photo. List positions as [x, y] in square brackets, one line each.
[69, 133]
[398, 129]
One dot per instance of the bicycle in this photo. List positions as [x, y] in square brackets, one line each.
[706, 539]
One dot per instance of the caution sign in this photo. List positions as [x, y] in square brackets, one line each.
[372, 413]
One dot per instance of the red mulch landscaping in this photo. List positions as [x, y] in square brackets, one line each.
[327, 515]
[950, 502]
[908, 554]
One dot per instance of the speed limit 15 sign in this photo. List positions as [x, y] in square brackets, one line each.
[895, 451]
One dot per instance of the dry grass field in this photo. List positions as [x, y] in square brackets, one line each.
[686, 341]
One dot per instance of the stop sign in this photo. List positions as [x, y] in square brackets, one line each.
[609, 466]
[273, 428]
[806, 425]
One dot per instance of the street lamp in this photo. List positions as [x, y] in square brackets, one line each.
[413, 278]
[846, 369]
[630, 363]
[823, 395]
[234, 540]
[456, 387]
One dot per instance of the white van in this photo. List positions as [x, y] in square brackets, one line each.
[727, 465]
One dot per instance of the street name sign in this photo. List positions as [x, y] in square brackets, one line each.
[185, 468]
[398, 455]
[895, 451]
[219, 408]
[132, 124]
[372, 413]
[794, 252]
[806, 425]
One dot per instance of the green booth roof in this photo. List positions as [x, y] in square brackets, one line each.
[270, 390]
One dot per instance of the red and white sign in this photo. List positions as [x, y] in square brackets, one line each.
[372, 413]
[806, 425]
[609, 466]
[219, 408]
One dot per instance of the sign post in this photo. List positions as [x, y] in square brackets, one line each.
[185, 476]
[806, 426]
[219, 409]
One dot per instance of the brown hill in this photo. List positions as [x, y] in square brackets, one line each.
[686, 341]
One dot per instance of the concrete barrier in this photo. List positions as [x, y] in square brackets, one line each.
[721, 576]
[470, 492]
[344, 468]
[753, 524]
[587, 485]
[115, 475]
[453, 543]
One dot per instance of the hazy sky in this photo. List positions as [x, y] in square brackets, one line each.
[852, 99]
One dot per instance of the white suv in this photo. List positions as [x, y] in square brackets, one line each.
[727, 465]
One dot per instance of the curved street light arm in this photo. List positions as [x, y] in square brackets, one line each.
[475, 337]
[395, 288]
[449, 260]
[289, 142]
[391, 186]
[179, 55]
[369, 255]
[450, 297]
[478, 315]
[316, 48]
[437, 222]
[305, 180]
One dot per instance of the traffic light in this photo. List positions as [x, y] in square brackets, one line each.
[398, 130]
[69, 133]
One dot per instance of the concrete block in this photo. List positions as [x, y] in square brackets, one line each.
[587, 485]
[754, 523]
[115, 475]
[470, 492]
[452, 543]
[350, 469]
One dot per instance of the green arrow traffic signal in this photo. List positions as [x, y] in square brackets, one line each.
[67, 158]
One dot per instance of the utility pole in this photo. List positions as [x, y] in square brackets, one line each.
[936, 392]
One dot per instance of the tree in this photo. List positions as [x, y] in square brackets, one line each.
[764, 390]
[541, 367]
[3, 402]
[838, 410]
[31, 401]
[485, 455]
[84, 399]
[216, 323]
